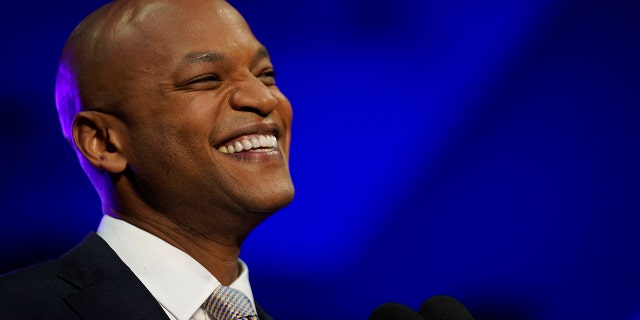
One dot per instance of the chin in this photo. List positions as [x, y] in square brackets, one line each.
[271, 201]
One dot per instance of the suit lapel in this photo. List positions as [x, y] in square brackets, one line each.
[108, 289]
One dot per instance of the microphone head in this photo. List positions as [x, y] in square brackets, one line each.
[444, 308]
[394, 311]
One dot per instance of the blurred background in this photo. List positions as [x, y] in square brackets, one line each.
[486, 150]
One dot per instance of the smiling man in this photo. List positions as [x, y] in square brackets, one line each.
[172, 108]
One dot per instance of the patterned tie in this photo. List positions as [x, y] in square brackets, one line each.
[229, 304]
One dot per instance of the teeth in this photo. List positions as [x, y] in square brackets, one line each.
[248, 143]
[255, 143]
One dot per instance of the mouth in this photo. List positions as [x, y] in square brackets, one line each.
[258, 142]
[250, 143]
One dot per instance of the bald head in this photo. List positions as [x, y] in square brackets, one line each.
[107, 51]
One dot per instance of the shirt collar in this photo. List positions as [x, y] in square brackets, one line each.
[177, 281]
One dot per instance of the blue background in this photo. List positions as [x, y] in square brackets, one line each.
[486, 150]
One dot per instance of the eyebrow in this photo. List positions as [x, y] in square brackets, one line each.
[262, 53]
[200, 57]
[213, 56]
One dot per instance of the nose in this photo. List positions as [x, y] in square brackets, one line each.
[251, 95]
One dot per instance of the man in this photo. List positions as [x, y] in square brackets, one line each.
[172, 108]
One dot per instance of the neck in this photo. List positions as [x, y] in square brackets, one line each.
[217, 252]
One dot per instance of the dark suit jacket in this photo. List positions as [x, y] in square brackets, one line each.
[89, 282]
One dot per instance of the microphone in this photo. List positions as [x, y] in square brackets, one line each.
[444, 307]
[394, 311]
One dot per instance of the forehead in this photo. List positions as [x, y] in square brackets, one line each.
[184, 16]
[174, 29]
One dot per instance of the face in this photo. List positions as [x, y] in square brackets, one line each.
[207, 129]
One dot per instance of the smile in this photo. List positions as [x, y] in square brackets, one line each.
[251, 143]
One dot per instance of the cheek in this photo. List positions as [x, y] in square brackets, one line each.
[162, 146]
[189, 124]
[170, 143]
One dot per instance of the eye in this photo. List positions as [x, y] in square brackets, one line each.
[207, 81]
[204, 79]
[268, 77]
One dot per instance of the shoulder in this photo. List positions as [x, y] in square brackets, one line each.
[59, 276]
[33, 291]
[39, 276]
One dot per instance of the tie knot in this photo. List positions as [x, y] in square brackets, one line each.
[226, 303]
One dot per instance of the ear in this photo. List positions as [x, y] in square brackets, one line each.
[97, 135]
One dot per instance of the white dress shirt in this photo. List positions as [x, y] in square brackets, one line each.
[177, 281]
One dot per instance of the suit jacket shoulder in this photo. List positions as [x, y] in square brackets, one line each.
[89, 282]
[33, 292]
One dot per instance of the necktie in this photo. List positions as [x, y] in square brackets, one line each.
[226, 303]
